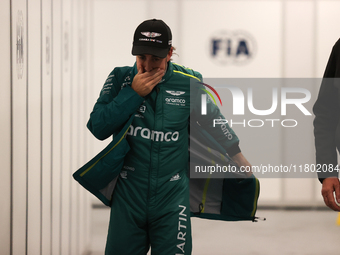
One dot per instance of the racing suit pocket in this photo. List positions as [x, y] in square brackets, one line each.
[109, 166]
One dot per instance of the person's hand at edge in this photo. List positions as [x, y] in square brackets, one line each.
[240, 160]
[329, 186]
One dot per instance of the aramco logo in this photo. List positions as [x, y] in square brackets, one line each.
[204, 97]
[232, 47]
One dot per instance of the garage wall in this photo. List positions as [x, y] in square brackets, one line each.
[44, 66]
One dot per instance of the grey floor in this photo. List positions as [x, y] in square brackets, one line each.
[284, 232]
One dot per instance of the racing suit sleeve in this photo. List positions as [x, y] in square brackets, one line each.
[116, 103]
[223, 134]
[326, 110]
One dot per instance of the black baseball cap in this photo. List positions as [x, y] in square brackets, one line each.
[152, 37]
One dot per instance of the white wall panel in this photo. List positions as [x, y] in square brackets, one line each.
[66, 128]
[34, 128]
[299, 61]
[19, 120]
[5, 128]
[46, 106]
[45, 89]
[259, 20]
[299, 44]
[91, 88]
[298, 191]
[56, 72]
[75, 113]
[298, 145]
[270, 191]
[84, 82]
[86, 228]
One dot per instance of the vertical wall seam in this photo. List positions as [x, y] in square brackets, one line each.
[91, 63]
[283, 32]
[70, 124]
[283, 76]
[41, 124]
[79, 62]
[92, 55]
[179, 27]
[11, 131]
[61, 124]
[51, 134]
[315, 42]
[81, 137]
[148, 8]
[27, 129]
[314, 74]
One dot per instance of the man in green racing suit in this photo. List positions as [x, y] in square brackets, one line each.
[150, 204]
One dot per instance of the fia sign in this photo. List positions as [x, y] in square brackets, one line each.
[232, 47]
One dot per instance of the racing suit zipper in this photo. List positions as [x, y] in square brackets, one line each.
[155, 148]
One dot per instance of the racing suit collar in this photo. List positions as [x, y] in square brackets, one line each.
[168, 73]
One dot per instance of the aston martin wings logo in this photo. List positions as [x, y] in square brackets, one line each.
[175, 93]
[151, 34]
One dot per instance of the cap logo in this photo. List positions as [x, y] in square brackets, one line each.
[151, 34]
